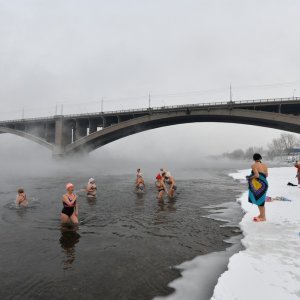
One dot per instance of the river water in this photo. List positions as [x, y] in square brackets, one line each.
[126, 246]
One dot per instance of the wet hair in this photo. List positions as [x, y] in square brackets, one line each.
[20, 190]
[257, 157]
[163, 173]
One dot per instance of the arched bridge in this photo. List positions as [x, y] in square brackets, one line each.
[70, 134]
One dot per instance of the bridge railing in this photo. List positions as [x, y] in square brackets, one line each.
[161, 108]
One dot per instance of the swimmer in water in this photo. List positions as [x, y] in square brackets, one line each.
[162, 170]
[138, 172]
[91, 188]
[172, 185]
[161, 187]
[21, 198]
[70, 209]
[140, 183]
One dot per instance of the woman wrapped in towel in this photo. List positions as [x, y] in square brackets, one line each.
[258, 186]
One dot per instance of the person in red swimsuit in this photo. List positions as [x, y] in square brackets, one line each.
[297, 165]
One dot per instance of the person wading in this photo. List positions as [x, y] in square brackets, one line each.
[70, 208]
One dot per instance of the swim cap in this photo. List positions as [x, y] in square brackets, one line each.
[69, 185]
[91, 180]
[168, 174]
[140, 174]
[158, 177]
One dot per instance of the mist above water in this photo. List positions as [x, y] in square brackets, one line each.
[21, 158]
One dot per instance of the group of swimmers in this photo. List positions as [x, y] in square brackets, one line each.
[69, 212]
[165, 184]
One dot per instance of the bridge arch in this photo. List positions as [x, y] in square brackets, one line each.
[27, 136]
[155, 120]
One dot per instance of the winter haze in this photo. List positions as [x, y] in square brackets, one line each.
[74, 53]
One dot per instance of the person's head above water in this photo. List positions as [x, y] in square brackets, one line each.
[20, 191]
[91, 180]
[257, 157]
[70, 187]
[167, 175]
[138, 170]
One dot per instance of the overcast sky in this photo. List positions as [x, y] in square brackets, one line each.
[75, 52]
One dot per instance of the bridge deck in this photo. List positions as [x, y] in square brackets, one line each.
[251, 104]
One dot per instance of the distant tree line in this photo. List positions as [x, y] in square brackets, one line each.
[282, 146]
[279, 147]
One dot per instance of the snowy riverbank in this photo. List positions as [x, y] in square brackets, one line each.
[269, 267]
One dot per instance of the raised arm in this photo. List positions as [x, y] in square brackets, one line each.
[67, 201]
[172, 183]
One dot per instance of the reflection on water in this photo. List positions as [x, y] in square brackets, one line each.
[69, 238]
[127, 238]
[92, 201]
[21, 211]
[169, 205]
[162, 212]
[140, 195]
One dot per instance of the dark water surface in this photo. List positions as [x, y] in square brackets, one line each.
[125, 246]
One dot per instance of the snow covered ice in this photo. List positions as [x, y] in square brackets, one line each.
[269, 266]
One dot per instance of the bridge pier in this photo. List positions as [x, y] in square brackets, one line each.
[67, 132]
[63, 136]
[104, 123]
[81, 128]
[59, 135]
[92, 126]
[50, 132]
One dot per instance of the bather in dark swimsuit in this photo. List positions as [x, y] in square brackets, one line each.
[68, 210]
[159, 186]
[168, 181]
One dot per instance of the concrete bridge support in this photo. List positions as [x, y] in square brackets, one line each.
[93, 124]
[59, 136]
[50, 132]
[63, 136]
[67, 132]
[81, 128]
